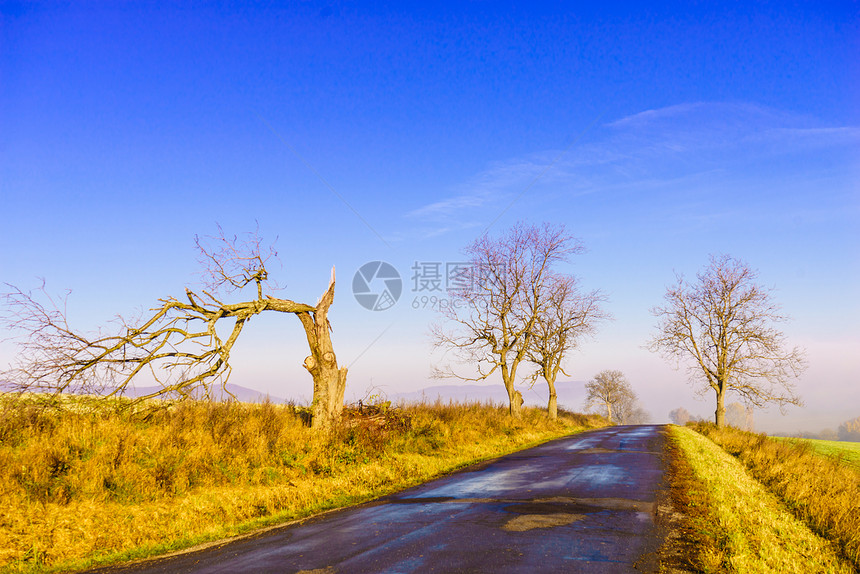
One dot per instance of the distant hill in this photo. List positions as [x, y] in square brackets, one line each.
[243, 394]
[571, 394]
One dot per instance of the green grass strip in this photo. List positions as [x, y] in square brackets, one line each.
[753, 532]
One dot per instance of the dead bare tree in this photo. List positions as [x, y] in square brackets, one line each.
[565, 316]
[493, 314]
[178, 344]
[721, 326]
[610, 390]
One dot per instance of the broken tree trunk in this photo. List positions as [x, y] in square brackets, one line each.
[329, 379]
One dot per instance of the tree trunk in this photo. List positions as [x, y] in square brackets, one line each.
[552, 405]
[329, 388]
[609, 411]
[515, 398]
[721, 410]
[329, 380]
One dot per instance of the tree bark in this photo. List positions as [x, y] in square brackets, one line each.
[720, 413]
[329, 379]
[552, 405]
[516, 399]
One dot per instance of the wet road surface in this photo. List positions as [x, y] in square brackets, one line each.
[585, 503]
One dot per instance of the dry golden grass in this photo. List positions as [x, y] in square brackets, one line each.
[81, 487]
[750, 529]
[821, 490]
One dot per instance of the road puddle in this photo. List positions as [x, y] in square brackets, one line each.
[526, 522]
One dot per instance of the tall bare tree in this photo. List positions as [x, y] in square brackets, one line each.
[610, 390]
[565, 316]
[494, 313]
[178, 343]
[721, 326]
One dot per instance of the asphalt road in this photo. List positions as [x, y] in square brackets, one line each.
[586, 503]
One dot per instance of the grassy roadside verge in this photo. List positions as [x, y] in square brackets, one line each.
[821, 490]
[745, 527]
[80, 489]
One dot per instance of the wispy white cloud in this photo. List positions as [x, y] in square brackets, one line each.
[700, 142]
[487, 190]
[813, 137]
[650, 116]
[707, 115]
[446, 207]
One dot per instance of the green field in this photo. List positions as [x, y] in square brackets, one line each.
[847, 451]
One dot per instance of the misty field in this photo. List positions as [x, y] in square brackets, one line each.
[88, 487]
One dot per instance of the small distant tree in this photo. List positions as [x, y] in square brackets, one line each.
[721, 326]
[850, 430]
[183, 344]
[566, 315]
[630, 411]
[739, 416]
[828, 434]
[494, 313]
[680, 416]
[609, 391]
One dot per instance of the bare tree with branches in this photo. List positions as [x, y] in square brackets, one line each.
[178, 343]
[494, 314]
[564, 317]
[721, 326]
[610, 390]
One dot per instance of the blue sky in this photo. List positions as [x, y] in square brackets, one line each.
[399, 133]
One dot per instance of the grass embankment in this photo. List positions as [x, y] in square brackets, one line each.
[739, 525]
[847, 452]
[821, 490]
[78, 489]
